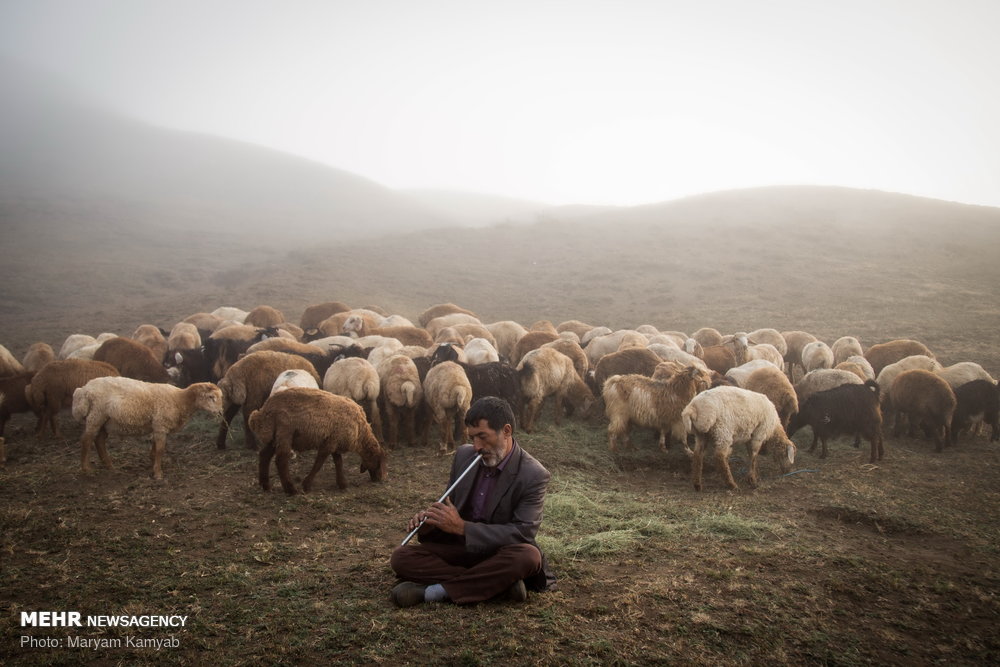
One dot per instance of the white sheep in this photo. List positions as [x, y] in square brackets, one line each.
[765, 352]
[739, 374]
[9, 365]
[547, 372]
[402, 394]
[480, 351]
[357, 379]
[823, 379]
[133, 407]
[858, 364]
[727, 416]
[448, 395]
[962, 373]
[816, 355]
[231, 313]
[770, 337]
[438, 323]
[295, 377]
[613, 342]
[667, 353]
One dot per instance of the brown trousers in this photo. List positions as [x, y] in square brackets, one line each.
[467, 577]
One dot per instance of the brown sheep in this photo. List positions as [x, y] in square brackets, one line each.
[133, 407]
[442, 309]
[264, 316]
[576, 326]
[643, 401]
[317, 312]
[773, 383]
[631, 360]
[572, 350]
[795, 341]
[301, 419]
[133, 360]
[547, 372]
[247, 384]
[37, 356]
[883, 354]
[14, 399]
[355, 378]
[52, 388]
[927, 400]
[531, 341]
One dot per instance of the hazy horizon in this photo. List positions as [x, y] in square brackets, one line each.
[630, 104]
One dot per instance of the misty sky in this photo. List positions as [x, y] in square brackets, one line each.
[623, 102]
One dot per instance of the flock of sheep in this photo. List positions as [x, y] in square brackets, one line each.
[359, 379]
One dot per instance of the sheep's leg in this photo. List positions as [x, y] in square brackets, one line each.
[284, 454]
[264, 466]
[101, 441]
[822, 439]
[54, 421]
[753, 452]
[376, 421]
[697, 458]
[249, 438]
[560, 398]
[411, 426]
[86, 441]
[447, 432]
[321, 455]
[227, 418]
[159, 445]
[722, 451]
[338, 463]
[531, 413]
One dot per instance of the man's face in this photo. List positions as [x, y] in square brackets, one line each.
[493, 445]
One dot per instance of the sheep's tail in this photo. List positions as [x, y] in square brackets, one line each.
[409, 390]
[81, 404]
[463, 396]
[688, 416]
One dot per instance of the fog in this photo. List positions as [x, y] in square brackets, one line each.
[582, 103]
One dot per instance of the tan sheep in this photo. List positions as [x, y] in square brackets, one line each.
[448, 395]
[442, 309]
[846, 347]
[531, 341]
[576, 326]
[52, 388]
[264, 316]
[37, 356]
[506, 333]
[9, 365]
[707, 337]
[795, 341]
[547, 372]
[657, 404]
[151, 336]
[572, 350]
[727, 416]
[183, 336]
[770, 337]
[773, 383]
[434, 326]
[293, 379]
[402, 394]
[357, 379]
[132, 407]
[816, 355]
[317, 312]
[302, 419]
[247, 384]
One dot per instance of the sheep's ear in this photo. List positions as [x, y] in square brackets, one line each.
[179, 358]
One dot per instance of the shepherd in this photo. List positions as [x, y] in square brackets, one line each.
[480, 544]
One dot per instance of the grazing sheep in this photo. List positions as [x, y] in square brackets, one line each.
[395, 321]
[506, 333]
[73, 343]
[664, 339]
[955, 375]
[302, 419]
[773, 383]
[821, 380]
[613, 342]
[187, 367]
[206, 323]
[152, 337]
[795, 341]
[226, 345]
[888, 375]
[727, 416]
[857, 365]
[596, 332]
[247, 384]
[845, 347]
[133, 360]
[572, 350]
[334, 325]
[769, 337]
[402, 395]
[630, 361]
[37, 356]
[721, 358]
[707, 337]
[531, 341]
[264, 316]
[849, 409]
[441, 309]
[546, 372]
[379, 354]
[740, 374]
[975, 400]
[694, 348]
[927, 400]
[434, 326]
[14, 401]
[480, 351]
[449, 335]
[183, 336]
[357, 325]
[816, 355]
[576, 326]
[52, 388]
[292, 379]
[9, 365]
[133, 407]
[230, 313]
[883, 354]
[357, 379]
[765, 352]
[657, 404]
[319, 358]
[314, 314]
[496, 378]
[448, 395]
[666, 353]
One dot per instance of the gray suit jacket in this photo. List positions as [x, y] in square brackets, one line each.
[514, 508]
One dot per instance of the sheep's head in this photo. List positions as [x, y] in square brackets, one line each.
[353, 325]
[373, 460]
[784, 451]
[208, 397]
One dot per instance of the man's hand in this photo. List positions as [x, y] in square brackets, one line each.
[443, 516]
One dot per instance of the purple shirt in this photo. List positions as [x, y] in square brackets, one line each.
[482, 488]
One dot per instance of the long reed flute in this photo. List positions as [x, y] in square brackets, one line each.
[447, 493]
